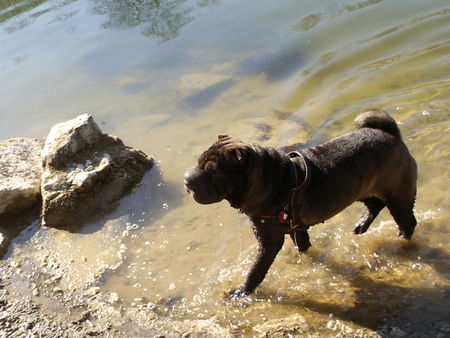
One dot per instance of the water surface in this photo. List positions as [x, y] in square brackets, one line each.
[169, 76]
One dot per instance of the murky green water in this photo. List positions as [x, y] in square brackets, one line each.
[168, 76]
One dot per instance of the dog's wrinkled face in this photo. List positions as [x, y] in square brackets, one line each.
[220, 173]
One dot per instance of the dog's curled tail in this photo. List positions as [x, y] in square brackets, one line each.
[377, 119]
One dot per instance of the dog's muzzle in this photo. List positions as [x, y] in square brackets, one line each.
[199, 184]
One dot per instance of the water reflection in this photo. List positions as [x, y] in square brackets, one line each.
[23, 13]
[360, 5]
[12, 8]
[162, 19]
[308, 22]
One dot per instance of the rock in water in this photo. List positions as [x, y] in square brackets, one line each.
[273, 131]
[85, 171]
[20, 173]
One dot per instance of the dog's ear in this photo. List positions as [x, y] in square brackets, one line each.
[220, 137]
[238, 154]
[243, 153]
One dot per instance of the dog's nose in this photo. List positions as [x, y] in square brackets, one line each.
[189, 175]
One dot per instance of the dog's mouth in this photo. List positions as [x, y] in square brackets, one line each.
[204, 196]
[201, 188]
[186, 186]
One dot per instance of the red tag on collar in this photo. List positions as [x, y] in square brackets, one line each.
[282, 216]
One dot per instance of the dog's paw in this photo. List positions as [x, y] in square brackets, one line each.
[238, 294]
[358, 230]
[405, 235]
[303, 246]
[301, 241]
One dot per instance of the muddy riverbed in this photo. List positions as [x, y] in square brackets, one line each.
[167, 78]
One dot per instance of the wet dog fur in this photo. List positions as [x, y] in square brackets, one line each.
[370, 164]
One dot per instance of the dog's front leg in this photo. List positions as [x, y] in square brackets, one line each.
[270, 242]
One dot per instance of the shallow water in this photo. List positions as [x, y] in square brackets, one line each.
[168, 77]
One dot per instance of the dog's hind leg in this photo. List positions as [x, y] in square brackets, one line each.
[301, 240]
[374, 206]
[404, 217]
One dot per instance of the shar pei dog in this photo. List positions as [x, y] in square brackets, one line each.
[286, 193]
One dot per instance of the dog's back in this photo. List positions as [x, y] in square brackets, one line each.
[375, 142]
[371, 163]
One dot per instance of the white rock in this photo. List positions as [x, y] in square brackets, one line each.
[93, 291]
[68, 138]
[85, 171]
[113, 297]
[20, 173]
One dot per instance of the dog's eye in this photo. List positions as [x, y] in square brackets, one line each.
[210, 167]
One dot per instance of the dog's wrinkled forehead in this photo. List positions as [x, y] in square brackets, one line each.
[226, 148]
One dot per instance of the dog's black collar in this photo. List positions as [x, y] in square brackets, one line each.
[289, 215]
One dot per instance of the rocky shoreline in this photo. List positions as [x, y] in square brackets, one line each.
[77, 173]
[55, 312]
[37, 301]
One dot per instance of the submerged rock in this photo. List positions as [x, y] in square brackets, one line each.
[20, 173]
[267, 131]
[85, 171]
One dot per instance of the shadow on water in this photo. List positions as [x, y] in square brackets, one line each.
[21, 225]
[143, 205]
[275, 65]
[147, 203]
[206, 96]
[414, 310]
